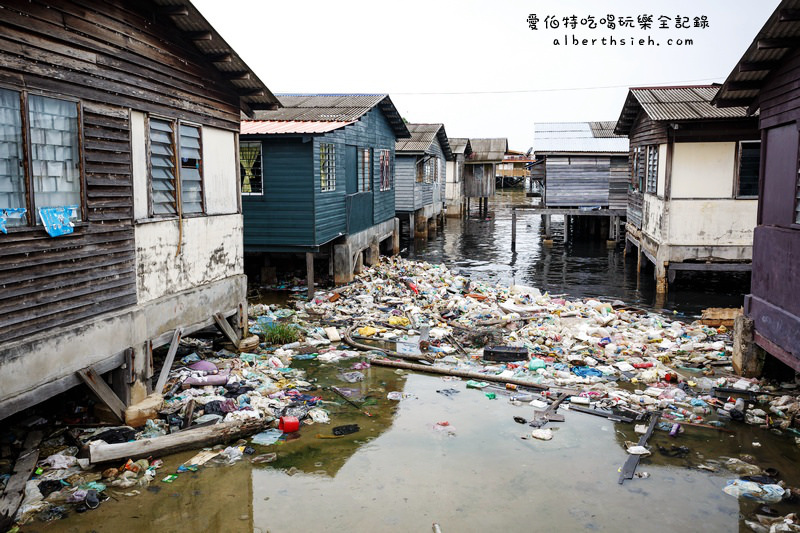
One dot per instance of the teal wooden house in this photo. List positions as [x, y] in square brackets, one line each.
[420, 173]
[317, 178]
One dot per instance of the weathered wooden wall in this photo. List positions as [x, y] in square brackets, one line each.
[574, 181]
[112, 57]
[479, 180]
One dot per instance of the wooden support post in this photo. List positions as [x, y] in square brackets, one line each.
[618, 228]
[165, 368]
[15, 487]
[411, 229]
[513, 229]
[310, 274]
[467, 206]
[121, 378]
[226, 329]
[639, 258]
[103, 391]
[547, 234]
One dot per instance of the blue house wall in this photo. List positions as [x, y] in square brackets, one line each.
[294, 214]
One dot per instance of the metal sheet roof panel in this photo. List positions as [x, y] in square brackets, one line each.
[269, 127]
[563, 137]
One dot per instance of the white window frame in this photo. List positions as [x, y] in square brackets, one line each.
[260, 165]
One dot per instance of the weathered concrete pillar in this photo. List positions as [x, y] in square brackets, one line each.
[358, 268]
[432, 228]
[372, 254]
[748, 357]
[411, 229]
[342, 264]
[547, 234]
[310, 274]
[661, 276]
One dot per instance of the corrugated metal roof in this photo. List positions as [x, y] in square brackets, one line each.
[775, 40]
[673, 104]
[250, 127]
[488, 150]
[253, 93]
[422, 136]
[460, 145]
[334, 108]
[578, 137]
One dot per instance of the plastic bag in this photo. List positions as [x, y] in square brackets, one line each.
[754, 491]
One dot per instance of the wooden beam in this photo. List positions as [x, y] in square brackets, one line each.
[250, 92]
[734, 102]
[220, 58]
[782, 42]
[744, 85]
[200, 35]
[789, 15]
[236, 76]
[712, 267]
[629, 468]
[173, 349]
[756, 66]
[226, 329]
[48, 390]
[15, 487]
[174, 11]
[168, 444]
[103, 391]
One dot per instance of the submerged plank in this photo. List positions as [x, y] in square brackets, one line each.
[15, 488]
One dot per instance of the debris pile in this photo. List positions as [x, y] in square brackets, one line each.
[593, 357]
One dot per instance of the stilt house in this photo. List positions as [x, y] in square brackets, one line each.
[694, 175]
[318, 178]
[420, 162]
[120, 223]
[767, 80]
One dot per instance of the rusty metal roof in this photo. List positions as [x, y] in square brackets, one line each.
[269, 127]
[422, 137]
[488, 150]
[685, 103]
[460, 145]
[777, 38]
[578, 137]
[334, 108]
[253, 93]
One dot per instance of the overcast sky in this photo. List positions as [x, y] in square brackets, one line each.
[499, 76]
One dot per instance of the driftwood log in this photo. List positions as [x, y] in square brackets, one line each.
[461, 373]
[100, 452]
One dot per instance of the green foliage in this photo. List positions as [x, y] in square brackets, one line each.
[280, 333]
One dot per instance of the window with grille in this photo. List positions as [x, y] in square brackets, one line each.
[749, 164]
[386, 170]
[52, 176]
[163, 185]
[191, 169]
[652, 169]
[250, 161]
[365, 170]
[327, 167]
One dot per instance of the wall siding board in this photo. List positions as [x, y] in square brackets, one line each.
[112, 57]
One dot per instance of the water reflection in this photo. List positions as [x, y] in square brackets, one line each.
[577, 267]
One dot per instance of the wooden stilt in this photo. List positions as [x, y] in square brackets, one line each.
[165, 368]
[310, 273]
[226, 329]
[103, 391]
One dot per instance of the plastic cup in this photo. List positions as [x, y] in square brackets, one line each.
[288, 424]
